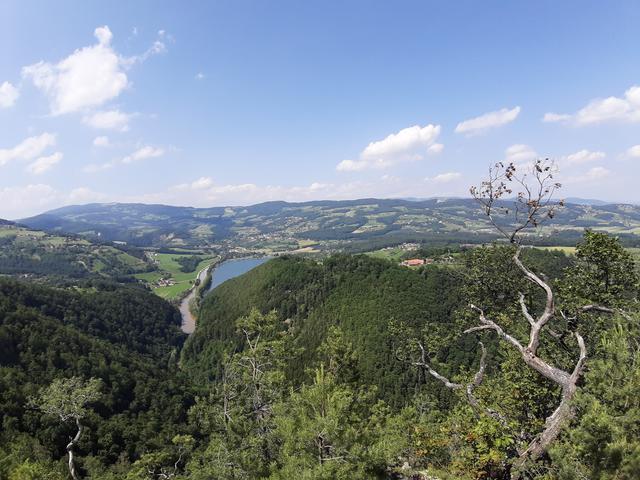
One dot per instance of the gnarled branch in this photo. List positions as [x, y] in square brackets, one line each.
[469, 388]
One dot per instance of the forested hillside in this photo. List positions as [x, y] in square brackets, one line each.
[65, 259]
[125, 337]
[507, 362]
[358, 294]
[306, 369]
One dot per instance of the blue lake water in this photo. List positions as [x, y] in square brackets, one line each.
[233, 268]
[221, 273]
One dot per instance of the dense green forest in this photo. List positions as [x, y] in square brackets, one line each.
[307, 369]
[128, 338]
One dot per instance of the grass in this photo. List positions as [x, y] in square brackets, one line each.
[169, 267]
[172, 292]
[306, 243]
[149, 277]
[393, 254]
[566, 250]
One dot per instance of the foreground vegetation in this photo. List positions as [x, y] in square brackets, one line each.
[303, 370]
[495, 362]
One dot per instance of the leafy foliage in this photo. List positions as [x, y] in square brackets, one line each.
[297, 373]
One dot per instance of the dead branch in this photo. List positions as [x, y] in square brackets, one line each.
[533, 206]
[469, 388]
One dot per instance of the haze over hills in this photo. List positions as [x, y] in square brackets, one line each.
[324, 222]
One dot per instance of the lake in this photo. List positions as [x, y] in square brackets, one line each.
[221, 273]
[233, 268]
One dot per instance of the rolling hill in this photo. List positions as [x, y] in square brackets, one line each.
[282, 226]
[34, 253]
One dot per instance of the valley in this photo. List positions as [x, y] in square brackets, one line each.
[289, 240]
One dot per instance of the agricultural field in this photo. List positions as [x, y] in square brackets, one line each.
[394, 254]
[170, 282]
[278, 226]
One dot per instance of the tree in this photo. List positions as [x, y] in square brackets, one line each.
[163, 465]
[331, 430]
[605, 273]
[238, 414]
[67, 399]
[533, 205]
[604, 443]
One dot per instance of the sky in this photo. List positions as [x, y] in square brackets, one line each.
[209, 103]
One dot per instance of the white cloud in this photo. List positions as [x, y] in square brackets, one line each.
[352, 166]
[200, 76]
[620, 109]
[104, 35]
[633, 152]
[143, 153]
[140, 154]
[27, 200]
[592, 175]
[83, 195]
[445, 177]
[109, 120]
[597, 172]
[520, 154]
[8, 95]
[487, 121]
[22, 201]
[435, 149]
[202, 183]
[205, 192]
[582, 156]
[43, 164]
[551, 117]
[101, 141]
[89, 77]
[28, 149]
[409, 144]
[156, 48]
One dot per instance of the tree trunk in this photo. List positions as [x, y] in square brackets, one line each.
[552, 427]
[70, 445]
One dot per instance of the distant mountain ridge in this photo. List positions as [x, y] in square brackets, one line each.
[320, 221]
[574, 200]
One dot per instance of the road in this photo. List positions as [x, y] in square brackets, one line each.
[188, 320]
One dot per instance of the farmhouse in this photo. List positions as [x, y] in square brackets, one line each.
[413, 262]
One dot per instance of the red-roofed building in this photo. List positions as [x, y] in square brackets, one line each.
[413, 262]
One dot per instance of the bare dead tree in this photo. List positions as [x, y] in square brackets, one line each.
[184, 444]
[533, 205]
[229, 390]
[256, 358]
[469, 388]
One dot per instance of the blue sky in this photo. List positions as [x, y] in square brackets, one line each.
[235, 102]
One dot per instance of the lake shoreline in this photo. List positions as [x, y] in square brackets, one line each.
[188, 325]
[245, 264]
